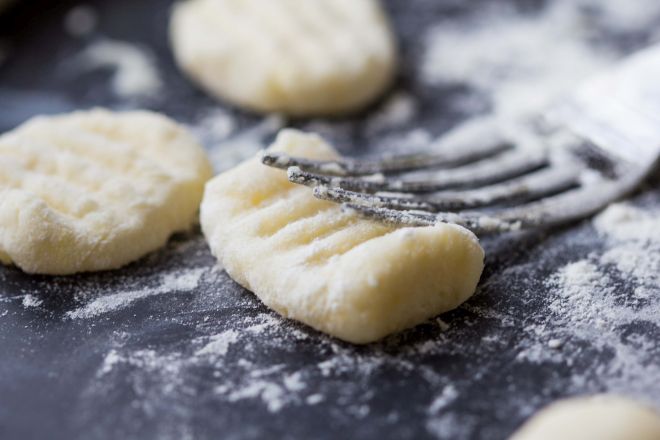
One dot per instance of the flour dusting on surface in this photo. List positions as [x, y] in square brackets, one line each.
[219, 344]
[519, 62]
[172, 340]
[178, 281]
[226, 152]
[134, 68]
[31, 301]
[624, 222]
[399, 110]
[214, 125]
[583, 318]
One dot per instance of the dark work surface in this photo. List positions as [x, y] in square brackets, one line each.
[171, 348]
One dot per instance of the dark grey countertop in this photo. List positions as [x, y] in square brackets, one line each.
[171, 348]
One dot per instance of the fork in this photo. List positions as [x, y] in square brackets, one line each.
[589, 149]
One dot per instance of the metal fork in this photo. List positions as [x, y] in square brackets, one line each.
[591, 148]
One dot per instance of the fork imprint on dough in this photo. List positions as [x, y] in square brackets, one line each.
[309, 260]
[95, 190]
[294, 56]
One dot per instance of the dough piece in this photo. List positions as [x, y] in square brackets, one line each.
[601, 417]
[95, 190]
[299, 57]
[308, 260]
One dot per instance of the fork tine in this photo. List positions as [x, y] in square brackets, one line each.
[542, 183]
[505, 166]
[477, 223]
[571, 205]
[563, 208]
[467, 143]
[406, 218]
[392, 164]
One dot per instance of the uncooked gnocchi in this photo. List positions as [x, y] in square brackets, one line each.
[308, 260]
[95, 190]
[600, 417]
[298, 57]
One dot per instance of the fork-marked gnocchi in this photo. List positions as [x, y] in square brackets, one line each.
[95, 190]
[310, 261]
[298, 57]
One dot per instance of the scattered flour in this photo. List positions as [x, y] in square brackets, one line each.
[448, 395]
[583, 310]
[624, 15]
[314, 399]
[270, 393]
[639, 265]
[226, 153]
[109, 361]
[214, 125]
[219, 344]
[581, 328]
[624, 222]
[415, 140]
[178, 281]
[135, 71]
[31, 301]
[245, 380]
[398, 110]
[634, 245]
[583, 294]
[555, 343]
[588, 304]
[520, 62]
[590, 307]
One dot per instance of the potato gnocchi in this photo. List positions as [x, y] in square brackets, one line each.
[297, 57]
[310, 261]
[600, 417]
[95, 190]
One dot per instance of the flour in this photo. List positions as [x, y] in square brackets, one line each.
[397, 111]
[314, 399]
[584, 294]
[624, 222]
[179, 281]
[134, 68]
[520, 63]
[623, 15]
[226, 152]
[573, 314]
[219, 344]
[214, 125]
[448, 395]
[267, 384]
[415, 140]
[635, 245]
[31, 301]
[589, 305]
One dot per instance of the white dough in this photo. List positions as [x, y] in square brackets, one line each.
[308, 260]
[601, 417]
[95, 190]
[298, 57]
